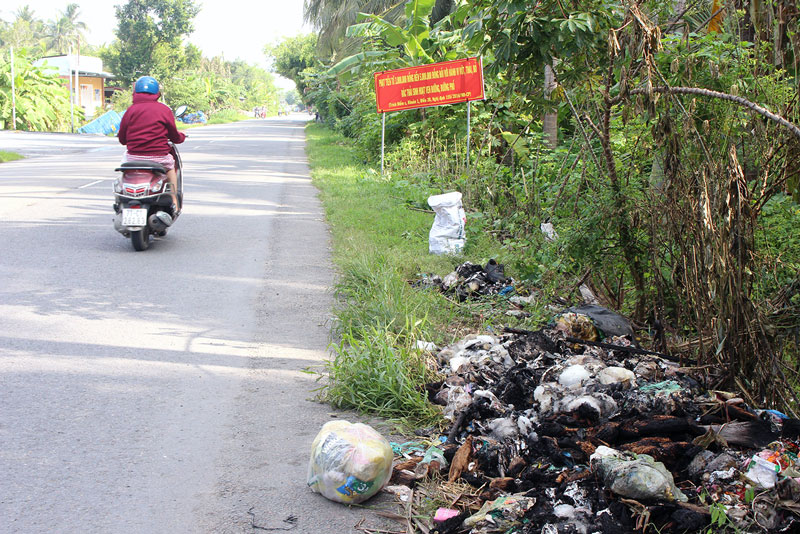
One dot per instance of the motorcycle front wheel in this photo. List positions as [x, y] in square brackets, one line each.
[140, 239]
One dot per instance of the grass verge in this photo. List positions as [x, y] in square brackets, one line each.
[380, 243]
[226, 116]
[9, 156]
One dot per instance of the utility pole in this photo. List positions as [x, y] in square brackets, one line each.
[13, 94]
[77, 76]
[71, 96]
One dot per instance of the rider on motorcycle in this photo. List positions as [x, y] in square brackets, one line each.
[147, 127]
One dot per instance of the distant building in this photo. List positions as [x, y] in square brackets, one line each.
[91, 79]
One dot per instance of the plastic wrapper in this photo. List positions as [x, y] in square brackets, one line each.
[502, 514]
[638, 477]
[349, 462]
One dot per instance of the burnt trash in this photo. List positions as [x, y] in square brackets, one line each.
[551, 436]
[469, 281]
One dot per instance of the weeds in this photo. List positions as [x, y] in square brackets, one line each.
[374, 371]
[225, 116]
[9, 156]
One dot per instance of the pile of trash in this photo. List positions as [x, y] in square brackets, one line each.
[197, 117]
[470, 281]
[554, 432]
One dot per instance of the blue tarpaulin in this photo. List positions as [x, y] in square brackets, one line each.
[194, 118]
[105, 124]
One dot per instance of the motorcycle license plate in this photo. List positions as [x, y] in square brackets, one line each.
[134, 217]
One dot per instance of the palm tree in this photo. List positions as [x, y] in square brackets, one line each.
[66, 31]
[26, 13]
[332, 17]
[25, 31]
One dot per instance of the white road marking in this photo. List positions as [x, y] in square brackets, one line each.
[91, 184]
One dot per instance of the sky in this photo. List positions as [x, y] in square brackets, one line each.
[235, 29]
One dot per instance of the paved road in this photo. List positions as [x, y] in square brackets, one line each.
[162, 391]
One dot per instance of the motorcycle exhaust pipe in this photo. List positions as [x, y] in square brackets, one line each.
[160, 221]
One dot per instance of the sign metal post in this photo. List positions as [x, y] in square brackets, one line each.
[469, 128]
[383, 139]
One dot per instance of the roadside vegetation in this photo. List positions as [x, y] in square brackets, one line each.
[380, 237]
[659, 138]
[152, 37]
[9, 156]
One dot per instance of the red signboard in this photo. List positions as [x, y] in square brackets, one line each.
[436, 84]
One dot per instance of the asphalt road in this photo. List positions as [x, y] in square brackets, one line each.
[163, 391]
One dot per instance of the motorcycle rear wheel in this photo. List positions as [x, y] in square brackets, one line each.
[140, 239]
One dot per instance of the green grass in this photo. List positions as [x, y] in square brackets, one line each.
[373, 372]
[9, 156]
[225, 116]
[380, 244]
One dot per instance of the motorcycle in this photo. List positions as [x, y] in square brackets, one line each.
[143, 205]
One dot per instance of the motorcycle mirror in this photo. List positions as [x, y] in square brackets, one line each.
[180, 111]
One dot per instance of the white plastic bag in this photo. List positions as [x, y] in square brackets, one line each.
[349, 462]
[447, 233]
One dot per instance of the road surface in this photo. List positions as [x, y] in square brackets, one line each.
[163, 391]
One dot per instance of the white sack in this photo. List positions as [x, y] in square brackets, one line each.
[447, 233]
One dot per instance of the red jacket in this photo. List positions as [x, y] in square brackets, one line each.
[147, 126]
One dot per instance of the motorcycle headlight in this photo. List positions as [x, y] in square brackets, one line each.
[157, 186]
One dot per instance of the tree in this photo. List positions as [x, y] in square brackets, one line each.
[292, 56]
[42, 101]
[143, 26]
[291, 97]
[25, 32]
[66, 31]
[333, 17]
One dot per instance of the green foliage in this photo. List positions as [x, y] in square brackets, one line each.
[410, 37]
[9, 156]
[379, 245]
[26, 32]
[122, 99]
[778, 245]
[149, 41]
[641, 191]
[65, 34]
[720, 522]
[42, 101]
[212, 86]
[413, 43]
[375, 373]
[37, 38]
[149, 32]
[292, 57]
[226, 116]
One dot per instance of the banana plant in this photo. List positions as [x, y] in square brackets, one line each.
[42, 101]
[413, 44]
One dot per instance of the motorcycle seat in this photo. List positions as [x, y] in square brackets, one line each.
[141, 166]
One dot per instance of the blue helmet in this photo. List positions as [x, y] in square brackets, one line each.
[146, 84]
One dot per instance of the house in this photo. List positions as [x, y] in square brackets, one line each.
[90, 79]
